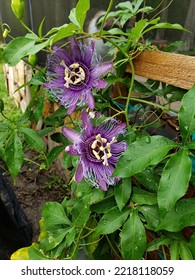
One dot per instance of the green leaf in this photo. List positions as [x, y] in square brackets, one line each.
[191, 244]
[38, 47]
[1, 105]
[57, 118]
[184, 251]
[174, 179]
[149, 179]
[174, 250]
[54, 153]
[40, 29]
[14, 154]
[3, 136]
[143, 197]
[133, 238]
[38, 78]
[18, 8]
[104, 205]
[54, 214]
[67, 160]
[148, 150]
[38, 110]
[53, 239]
[70, 237]
[45, 131]
[187, 114]
[35, 253]
[59, 137]
[16, 49]
[138, 29]
[156, 243]
[81, 211]
[166, 26]
[180, 216]
[123, 192]
[20, 254]
[112, 220]
[32, 138]
[78, 14]
[64, 32]
[151, 215]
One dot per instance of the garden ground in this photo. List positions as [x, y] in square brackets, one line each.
[33, 188]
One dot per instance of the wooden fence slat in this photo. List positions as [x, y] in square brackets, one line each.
[174, 69]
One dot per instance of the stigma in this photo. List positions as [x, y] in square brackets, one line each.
[101, 148]
[73, 75]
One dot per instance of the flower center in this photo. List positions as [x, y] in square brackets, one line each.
[101, 148]
[73, 75]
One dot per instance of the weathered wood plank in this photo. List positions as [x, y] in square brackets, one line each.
[174, 69]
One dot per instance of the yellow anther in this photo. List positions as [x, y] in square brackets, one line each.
[96, 154]
[94, 144]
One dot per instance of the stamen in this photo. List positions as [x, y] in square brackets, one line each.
[98, 148]
[73, 75]
[96, 154]
[94, 144]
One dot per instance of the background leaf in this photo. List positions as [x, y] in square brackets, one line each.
[187, 114]
[53, 154]
[32, 138]
[16, 49]
[81, 211]
[133, 238]
[14, 154]
[54, 214]
[151, 215]
[180, 216]
[112, 220]
[78, 14]
[146, 151]
[174, 179]
[143, 197]
[122, 192]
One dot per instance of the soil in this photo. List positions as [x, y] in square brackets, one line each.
[35, 187]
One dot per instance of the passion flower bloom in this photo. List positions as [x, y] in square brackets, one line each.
[72, 74]
[98, 149]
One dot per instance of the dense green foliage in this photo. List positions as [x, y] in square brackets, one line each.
[147, 210]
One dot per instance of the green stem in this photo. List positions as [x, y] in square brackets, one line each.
[129, 93]
[26, 27]
[104, 19]
[145, 102]
[31, 161]
[77, 242]
[112, 248]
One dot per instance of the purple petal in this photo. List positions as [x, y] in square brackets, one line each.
[102, 183]
[71, 150]
[89, 53]
[101, 69]
[87, 125]
[101, 84]
[79, 173]
[71, 109]
[71, 134]
[75, 49]
[91, 101]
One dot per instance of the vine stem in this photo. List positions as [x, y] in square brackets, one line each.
[112, 248]
[104, 18]
[130, 91]
[26, 27]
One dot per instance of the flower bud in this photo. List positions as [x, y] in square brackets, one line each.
[18, 8]
[32, 59]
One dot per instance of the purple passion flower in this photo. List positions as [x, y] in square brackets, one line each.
[98, 150]
[72, 74]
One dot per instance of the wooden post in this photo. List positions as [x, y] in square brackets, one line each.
[174, 69]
